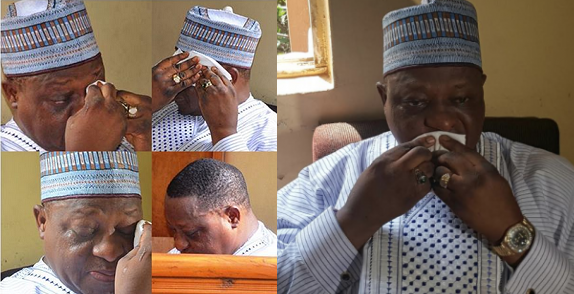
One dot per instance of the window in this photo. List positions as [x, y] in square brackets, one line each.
[303, 38]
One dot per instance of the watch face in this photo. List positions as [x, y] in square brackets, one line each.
[519, 238]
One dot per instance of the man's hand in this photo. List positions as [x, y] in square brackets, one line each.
[164, 88]
[133, 272]
[139, 127]
[387, 189]
[476, 192]
[100, 125]
[218, 104]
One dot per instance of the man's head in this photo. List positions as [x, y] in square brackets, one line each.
[47, 69]
[207, 208]
[84, 239]
[41, 104]
[91, 204]
[231, 40]
[432, 69]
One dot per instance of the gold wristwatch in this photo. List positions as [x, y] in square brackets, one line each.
[517, 239]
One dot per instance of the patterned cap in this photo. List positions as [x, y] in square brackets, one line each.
[220, 34]
[66, 175]
[433, 33]
[45, 35]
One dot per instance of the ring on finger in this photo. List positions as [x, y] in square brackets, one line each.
[206, 84]
[444, 180]
[420, 176]
[176, 78]
[131, 111]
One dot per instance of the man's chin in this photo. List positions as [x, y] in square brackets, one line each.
[98, 284]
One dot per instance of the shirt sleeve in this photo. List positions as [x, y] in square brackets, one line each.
[548, 267]
[233, 142]
[314, 256]
[544, 269]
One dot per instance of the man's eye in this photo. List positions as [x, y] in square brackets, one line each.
[415, 103]
[461, 100]
[60, 100]
[85, 233]
[191, 234]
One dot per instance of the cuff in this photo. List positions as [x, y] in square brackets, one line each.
[544, 269]
[327, 252]
[231, 143]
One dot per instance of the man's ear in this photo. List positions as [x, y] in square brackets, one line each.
[233, 215]
[234, 74]
[40, 215]
[10, 89]
[382, 88]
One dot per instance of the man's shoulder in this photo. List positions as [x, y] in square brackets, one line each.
[534, 164]
[29, 280]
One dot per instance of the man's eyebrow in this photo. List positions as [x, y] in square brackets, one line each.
[131, 212]
[86, 211]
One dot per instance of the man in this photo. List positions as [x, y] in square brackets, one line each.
[90, 206]
[50, 60]
[195, 107]
[495, 219]
[207, 208]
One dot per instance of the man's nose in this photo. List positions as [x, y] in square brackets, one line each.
[442, 119]
[110, 248]
[180, 242]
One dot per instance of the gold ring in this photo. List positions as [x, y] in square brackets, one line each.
[206, 84]
[176, 78]
[131, 111]
[444, 180]
[421, 177]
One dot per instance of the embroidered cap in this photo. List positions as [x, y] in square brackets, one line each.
[45, 35]
[66, 175]
[435, 32]
[220, 34]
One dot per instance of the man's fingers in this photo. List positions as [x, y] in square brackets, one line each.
[190, 63]
[172, 60]
[108, 91]
[210, 75]
[456, 162]
[454, 145]
[415, 157]
[427, 168]
[93, 96]
[402, 149]
[224, 80]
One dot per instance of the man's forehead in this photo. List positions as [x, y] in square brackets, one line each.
[457, 76]
[94, 205]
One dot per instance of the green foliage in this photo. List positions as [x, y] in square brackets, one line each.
[283, 43]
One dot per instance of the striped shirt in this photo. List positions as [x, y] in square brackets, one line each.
[13, 139]
[262, 243]
[256, 130]
[315, 256]
[38, 279]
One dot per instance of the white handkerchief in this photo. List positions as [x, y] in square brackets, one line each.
[205, 61]
[95, 84]
[29, 7]
[437, 146]
[139, 231]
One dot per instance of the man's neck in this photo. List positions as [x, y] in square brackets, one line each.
[251, 226]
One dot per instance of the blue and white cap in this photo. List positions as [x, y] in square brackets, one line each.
[67, 175]
[45, 35]
[220, 34]
[433, 33]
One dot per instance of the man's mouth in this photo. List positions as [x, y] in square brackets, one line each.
[106, 276]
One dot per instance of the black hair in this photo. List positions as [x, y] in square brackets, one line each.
[214, 183]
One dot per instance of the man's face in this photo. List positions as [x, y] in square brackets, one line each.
[85, 238]
[45, 102]
[187, 102]
[197, 230]
[427, 99]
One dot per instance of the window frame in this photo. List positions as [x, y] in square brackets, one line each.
[319, 62]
